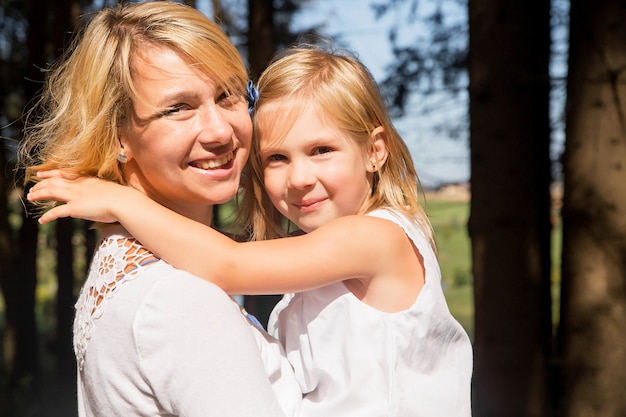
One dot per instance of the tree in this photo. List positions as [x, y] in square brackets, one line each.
[38, 34]
[593, 309]
[269, 29]
[262, 39]
[509, 225]
[509, 221]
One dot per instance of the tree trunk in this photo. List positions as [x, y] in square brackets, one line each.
[592, 341]
[262, 44]
[7, 273]
[21, 298]
[27, 362]
[66, 13]
[64, 232]
[509, 221]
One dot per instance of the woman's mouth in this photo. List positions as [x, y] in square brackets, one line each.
[216, 163]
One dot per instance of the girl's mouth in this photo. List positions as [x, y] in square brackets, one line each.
[308, 205]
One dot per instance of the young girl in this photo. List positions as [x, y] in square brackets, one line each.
[366, 326]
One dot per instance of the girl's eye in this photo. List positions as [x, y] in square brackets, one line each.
[322, 150]
[276, 157]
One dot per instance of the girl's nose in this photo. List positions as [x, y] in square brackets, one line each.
[301, 174]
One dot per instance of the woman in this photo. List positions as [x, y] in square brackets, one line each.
[152, 95]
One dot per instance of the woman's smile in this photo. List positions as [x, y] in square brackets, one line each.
[214, 163]
[192, 156]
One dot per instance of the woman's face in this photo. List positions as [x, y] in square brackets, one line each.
[188, 139]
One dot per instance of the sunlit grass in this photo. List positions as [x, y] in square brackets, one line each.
[449, 220]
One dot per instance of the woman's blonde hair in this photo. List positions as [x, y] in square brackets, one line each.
[345, 92]
[87, 97]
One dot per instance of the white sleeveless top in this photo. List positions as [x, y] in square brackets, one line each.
[351, 359]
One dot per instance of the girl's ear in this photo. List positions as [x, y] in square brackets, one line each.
[378, 152]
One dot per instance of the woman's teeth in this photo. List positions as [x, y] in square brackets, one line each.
[213, 163]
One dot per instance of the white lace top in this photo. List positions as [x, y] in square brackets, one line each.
[109, 272]
[153, 340]
[352, 360]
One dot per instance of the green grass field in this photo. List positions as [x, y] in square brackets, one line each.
[449, 220]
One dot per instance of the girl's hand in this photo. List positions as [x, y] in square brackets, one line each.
[86, 198]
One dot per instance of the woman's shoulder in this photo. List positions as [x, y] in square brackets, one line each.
[121, 259]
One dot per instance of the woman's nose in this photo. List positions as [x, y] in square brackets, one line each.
[215, 126]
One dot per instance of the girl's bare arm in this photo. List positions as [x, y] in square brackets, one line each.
[349, 247]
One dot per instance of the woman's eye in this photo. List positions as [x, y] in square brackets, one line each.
[173, 109]
[225, 95]
[228, 98]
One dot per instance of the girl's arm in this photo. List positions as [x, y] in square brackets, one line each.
[348, 247]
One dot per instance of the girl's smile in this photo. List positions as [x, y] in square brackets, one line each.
[315, 173]
[309, 204]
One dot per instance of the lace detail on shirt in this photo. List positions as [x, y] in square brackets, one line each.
[117, 260]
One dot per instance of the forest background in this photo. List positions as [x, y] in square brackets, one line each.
[545, 295]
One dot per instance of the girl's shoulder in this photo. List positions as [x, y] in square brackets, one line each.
[412, 227]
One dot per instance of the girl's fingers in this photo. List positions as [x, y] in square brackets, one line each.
[54, 214]
[49, 174]
[52, 188]
[45, 192]
[56, 173]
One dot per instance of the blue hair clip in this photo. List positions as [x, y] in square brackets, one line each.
[253, 96]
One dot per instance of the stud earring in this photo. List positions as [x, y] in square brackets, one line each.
[121, 158]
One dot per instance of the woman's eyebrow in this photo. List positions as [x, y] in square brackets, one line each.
[177, 96]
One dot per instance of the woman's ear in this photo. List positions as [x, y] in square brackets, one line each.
[378, 152]
[125, 153]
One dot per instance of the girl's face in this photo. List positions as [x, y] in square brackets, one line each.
[316, 173]
[188, 140]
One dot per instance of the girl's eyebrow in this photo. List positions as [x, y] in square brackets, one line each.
[269, 151]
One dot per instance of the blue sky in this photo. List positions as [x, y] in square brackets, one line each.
[438, 158]
[352, 25]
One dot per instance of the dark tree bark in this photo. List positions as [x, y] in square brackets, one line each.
[262, 41]
[47, 26]
[21, 297]
[593, 310]
[262, 44]
[66, 15]
[66, 364]
[509, 221]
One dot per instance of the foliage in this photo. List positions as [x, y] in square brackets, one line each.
[434, 62]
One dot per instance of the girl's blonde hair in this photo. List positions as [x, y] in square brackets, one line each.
[345, 92]
[87, 97]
